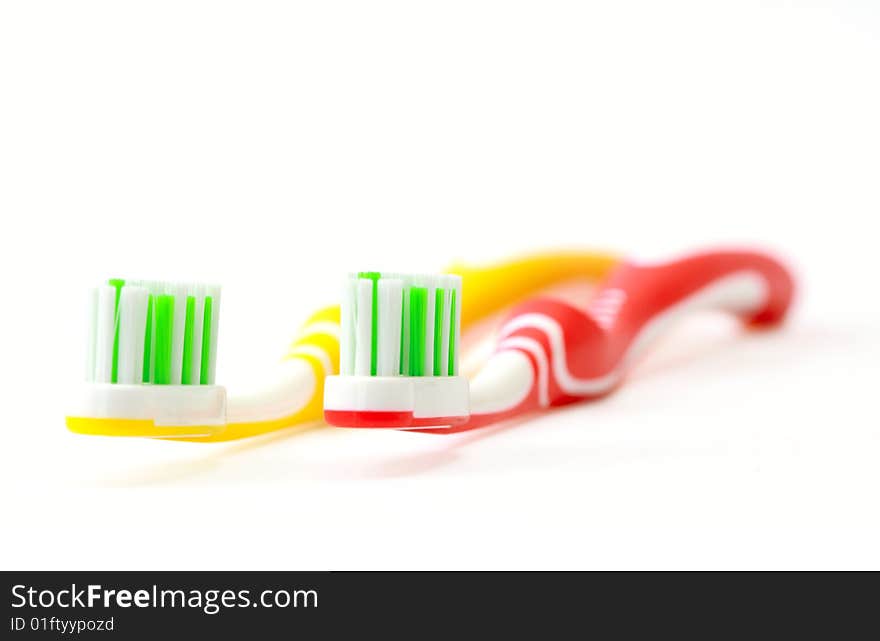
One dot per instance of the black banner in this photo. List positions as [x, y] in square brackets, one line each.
[132, 605]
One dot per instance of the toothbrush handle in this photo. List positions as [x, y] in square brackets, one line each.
[639, 302]
[752, 285]
[576, 355]
[491, 288]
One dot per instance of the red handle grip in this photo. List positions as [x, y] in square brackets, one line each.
[578, 354]
[639, 299]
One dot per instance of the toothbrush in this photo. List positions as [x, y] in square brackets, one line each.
[553, 353]
[399, 363]
[289, 393]
[151, 361]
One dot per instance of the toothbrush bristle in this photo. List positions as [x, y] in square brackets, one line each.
[400, 325]
[152, 332]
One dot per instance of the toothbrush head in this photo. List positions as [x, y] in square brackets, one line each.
[150, 362]
[398, 353]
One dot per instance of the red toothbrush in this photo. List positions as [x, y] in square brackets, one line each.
[553, 353]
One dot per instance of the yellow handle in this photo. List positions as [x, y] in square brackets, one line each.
[490, 288]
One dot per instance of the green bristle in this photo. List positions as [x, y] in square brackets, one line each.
[117, 284]
[148, 339]
[438, 330]
[418, 310]
[189, 327]
[164, 331]
[205, 373]
[374, 321]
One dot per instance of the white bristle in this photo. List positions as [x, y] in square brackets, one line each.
[198, 291]
[455, 284]
[444, 348]
[214, 292]
[363, 327]
[430, 284]
[91, 334]
[141, 302]
[132, 325]
[388, 360]
[404, 330]
[347, 334]
[105, 330]
[179, 292]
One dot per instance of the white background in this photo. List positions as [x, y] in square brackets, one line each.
[271, 146]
